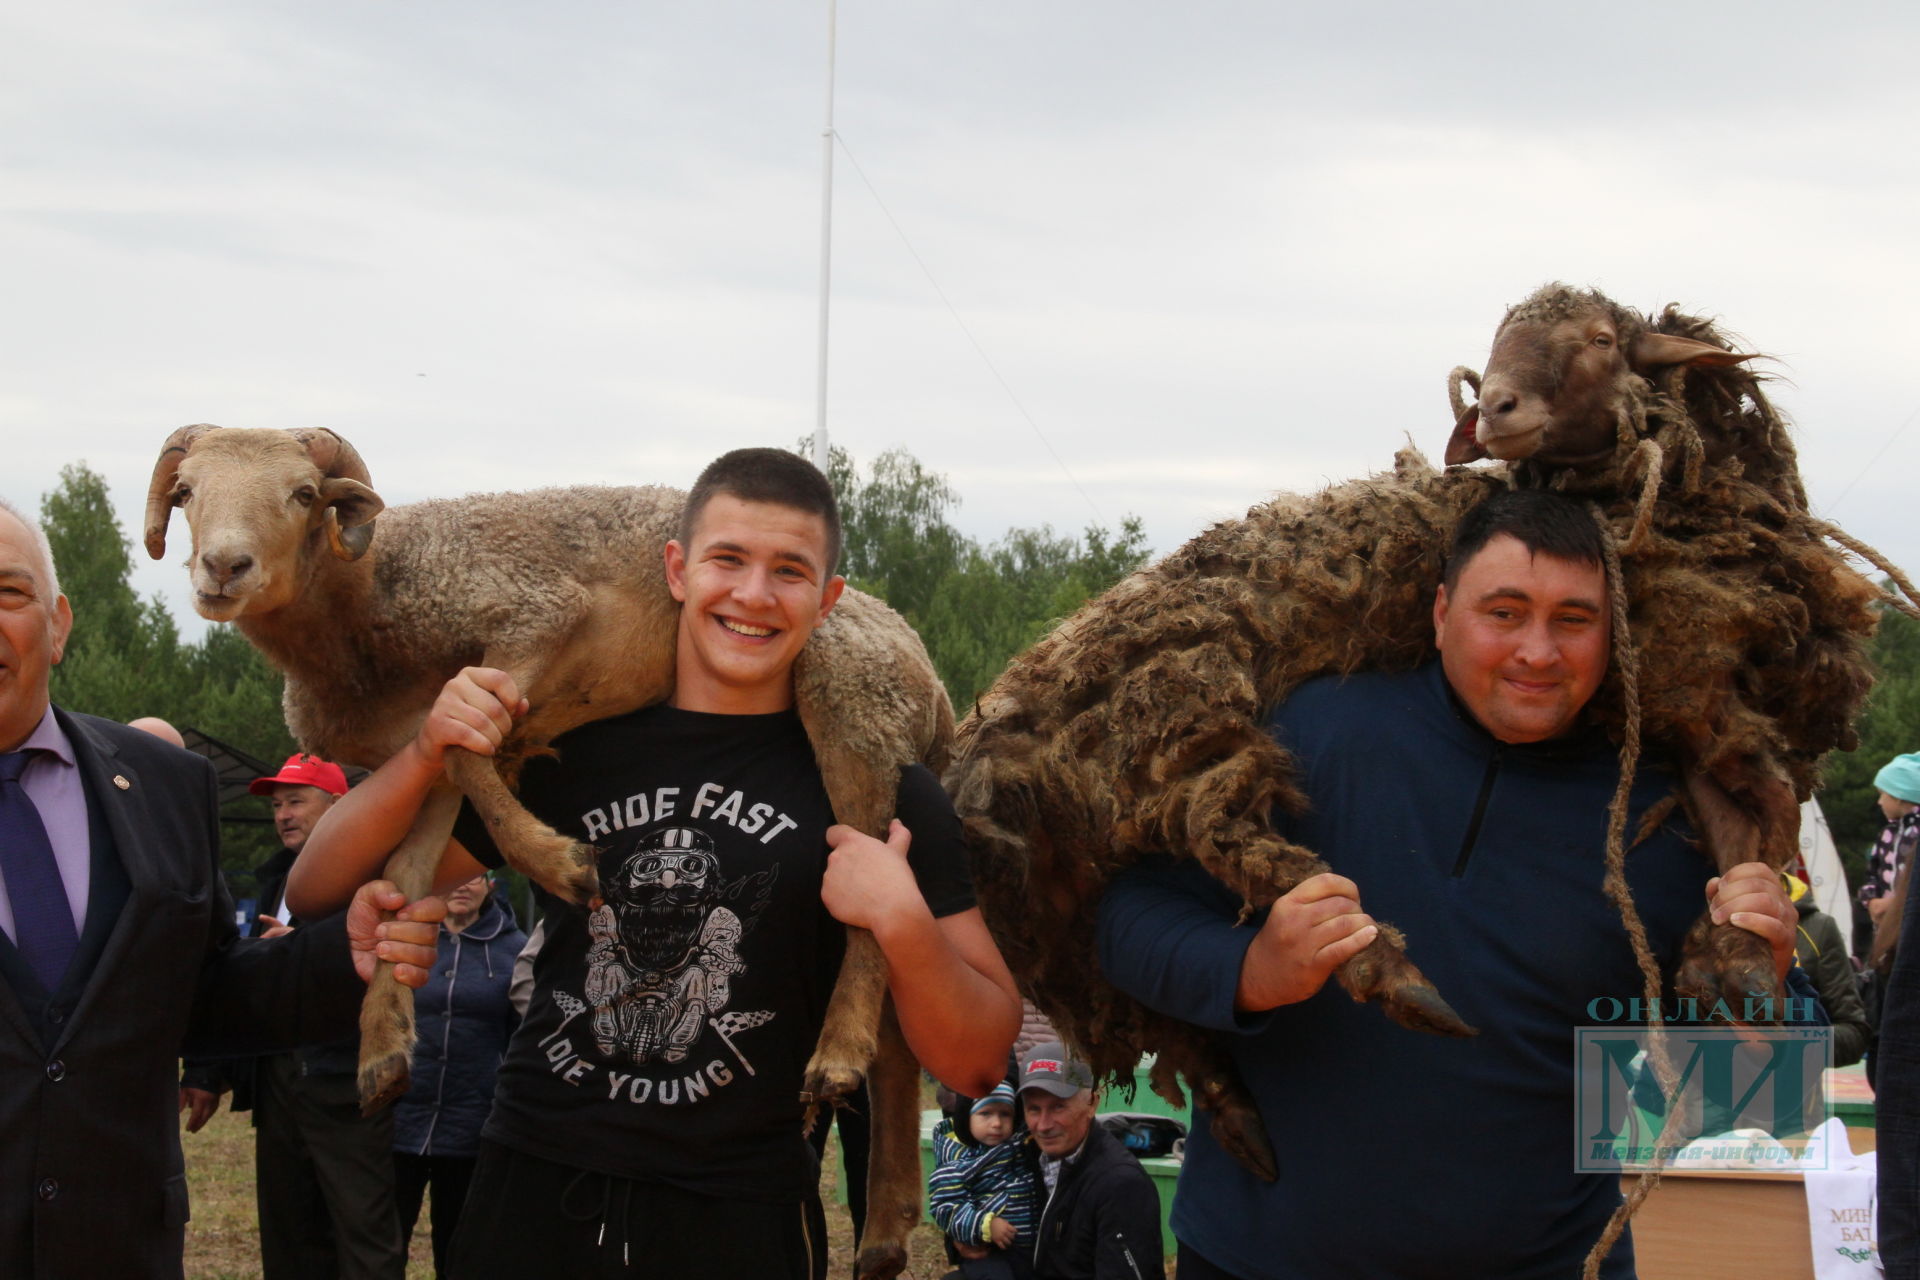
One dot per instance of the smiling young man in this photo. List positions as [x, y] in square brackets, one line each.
[1468, 801]
[647, 1121]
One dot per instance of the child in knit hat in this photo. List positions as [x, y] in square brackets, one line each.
[1899, 784]
[982, 1191]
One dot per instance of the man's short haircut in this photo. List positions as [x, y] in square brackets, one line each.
[1544, 522]
[51, 587]
[778, 476]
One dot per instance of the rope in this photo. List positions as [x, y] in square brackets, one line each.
[1651, 457]
[1627, 659]
[1827, 529]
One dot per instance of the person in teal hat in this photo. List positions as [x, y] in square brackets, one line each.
[1899, 785]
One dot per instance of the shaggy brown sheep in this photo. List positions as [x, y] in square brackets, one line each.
[564, 589]
[1137, 725]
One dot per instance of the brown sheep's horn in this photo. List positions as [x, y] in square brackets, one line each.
[160, 488]
[332, 454]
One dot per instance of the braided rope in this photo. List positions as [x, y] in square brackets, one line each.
[1627, 659]
[1827, 529]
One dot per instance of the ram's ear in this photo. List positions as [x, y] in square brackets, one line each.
[350, 510]
[1652, 350]
[1463, 446]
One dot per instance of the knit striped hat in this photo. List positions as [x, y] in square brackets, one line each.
[1002, 1095]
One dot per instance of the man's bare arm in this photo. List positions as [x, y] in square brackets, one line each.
[954, 996]
[349, 847]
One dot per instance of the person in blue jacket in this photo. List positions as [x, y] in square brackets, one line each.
[1468, 799]
[464, 1021]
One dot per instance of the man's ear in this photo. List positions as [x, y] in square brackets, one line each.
[675, 557]
[62, 627]
[1439, 615]
[830, 596]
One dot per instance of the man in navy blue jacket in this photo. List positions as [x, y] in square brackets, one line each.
[1469, 797]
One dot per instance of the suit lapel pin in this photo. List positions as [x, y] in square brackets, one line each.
[120, 781]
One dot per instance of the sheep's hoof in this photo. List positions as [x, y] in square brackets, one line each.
[1728, 973]
[880, 1262]
[582, 883]
[1416, 1006]
[1383, 974]
[828, 1082]
[1235, 1124]
[382, 1081]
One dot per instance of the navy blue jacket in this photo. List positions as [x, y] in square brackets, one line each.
[463, 1024]
[1401, 1154]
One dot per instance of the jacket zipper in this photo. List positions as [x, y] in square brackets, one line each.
[1479, 813]
[1128, 1255]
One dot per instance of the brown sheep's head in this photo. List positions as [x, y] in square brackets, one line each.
[1557, 381]
[262, 506]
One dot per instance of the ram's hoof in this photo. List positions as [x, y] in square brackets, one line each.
[880, 1262]
[581, 883]
[1416, 1006]
[829, 1082]
[1236, 1126]
[1725, 965]
[382, 1081]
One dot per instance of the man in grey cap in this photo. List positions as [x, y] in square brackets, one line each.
[1101, 1219]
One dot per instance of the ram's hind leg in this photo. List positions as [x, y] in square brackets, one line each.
[1723, 962]
[386, 1012]
[563, 867]
[1190, 1054]
[893, 1165]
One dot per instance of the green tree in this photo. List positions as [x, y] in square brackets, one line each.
[974, 606]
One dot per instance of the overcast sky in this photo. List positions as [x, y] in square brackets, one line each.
[1209, 250]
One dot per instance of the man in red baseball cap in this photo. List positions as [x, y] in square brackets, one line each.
[323, 1172]
[305, 788]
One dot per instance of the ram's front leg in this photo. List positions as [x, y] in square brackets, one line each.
[386, 1012]
[893, 1163]
[848, 1039]
[1723, 964]
[563, 867]
[1226, 830]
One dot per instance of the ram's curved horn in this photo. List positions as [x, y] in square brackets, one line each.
[332, 454]
[160, 488]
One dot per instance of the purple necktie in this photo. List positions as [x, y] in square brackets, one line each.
[42, 916]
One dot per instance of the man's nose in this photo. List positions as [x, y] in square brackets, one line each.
[756, 587]
[1537, 646]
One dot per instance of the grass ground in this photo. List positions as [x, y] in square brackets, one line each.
[223, 1238]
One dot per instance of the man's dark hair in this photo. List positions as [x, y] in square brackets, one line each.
[1545, 522]
[778, 476]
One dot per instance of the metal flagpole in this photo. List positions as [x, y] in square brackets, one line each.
[826, 251]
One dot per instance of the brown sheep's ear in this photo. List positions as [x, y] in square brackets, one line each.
[350, 507]
[1463, 447]
[1653, 349]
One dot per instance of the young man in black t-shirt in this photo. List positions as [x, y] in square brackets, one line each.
[647, 1121]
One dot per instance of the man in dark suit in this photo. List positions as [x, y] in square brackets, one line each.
[118, 949]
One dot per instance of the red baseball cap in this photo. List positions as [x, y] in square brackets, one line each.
[305, 771]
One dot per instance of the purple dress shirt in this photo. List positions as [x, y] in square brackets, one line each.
[52, 782]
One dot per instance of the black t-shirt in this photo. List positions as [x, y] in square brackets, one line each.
[671, 1025]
